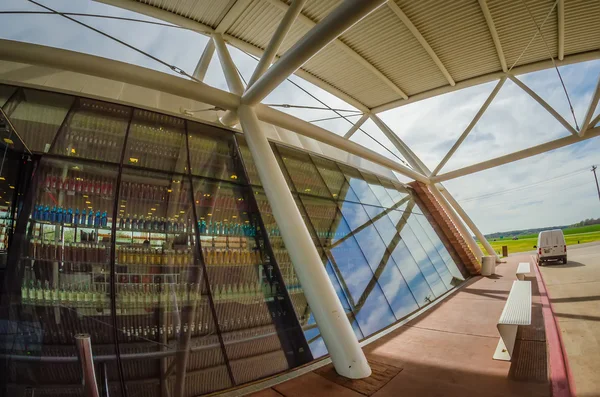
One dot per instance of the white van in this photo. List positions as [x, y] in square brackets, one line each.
[551, 245]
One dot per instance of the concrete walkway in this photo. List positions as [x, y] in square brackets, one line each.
[574, 291]
[447, 351]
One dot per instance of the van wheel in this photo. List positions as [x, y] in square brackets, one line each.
[540, 262]
[564, 261]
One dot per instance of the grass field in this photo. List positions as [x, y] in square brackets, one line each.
[576, 235]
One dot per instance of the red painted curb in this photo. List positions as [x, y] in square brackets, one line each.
[561, 378]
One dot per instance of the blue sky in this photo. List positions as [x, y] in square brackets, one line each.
[565, 194]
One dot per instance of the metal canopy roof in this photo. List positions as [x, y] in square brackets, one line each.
[408, 50]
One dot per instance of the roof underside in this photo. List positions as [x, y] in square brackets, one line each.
[415, 46]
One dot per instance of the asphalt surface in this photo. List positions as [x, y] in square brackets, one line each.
[574, 291]
[569, 249]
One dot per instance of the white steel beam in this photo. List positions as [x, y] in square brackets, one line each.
[270, 52]
[415, 32]
[34, 54]
[403, 148]
[356, 126]
[343, 17]
[204, 60]
[588, 123]
[522, 154]
[517, 70]
[492, 28]
[232, 15]
[349, 51]
[544, 104]
[452, 208]
[595, 121]
[561, 29]
[456, 220]
[471, 125]
[464, 216]
[273, 47]
[283, 120]
[257, 52]
[346, 354]
[187, 23]
[231, 75]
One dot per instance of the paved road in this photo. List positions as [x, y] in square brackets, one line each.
[569, 249]
[574, 291]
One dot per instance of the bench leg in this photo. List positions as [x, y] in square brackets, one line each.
[506, 344]
[521, 276]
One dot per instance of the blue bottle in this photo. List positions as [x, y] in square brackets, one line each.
[59, 215]
[83, 218]
[90, 218]
[53, 215]
[104, 222]
[76, 217]
[203, 227]
[97, 219]
[69, 216]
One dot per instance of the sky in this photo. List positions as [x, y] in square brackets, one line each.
[555, 188]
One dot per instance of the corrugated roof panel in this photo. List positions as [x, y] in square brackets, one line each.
[318, 9]
[258, 23]
[388, 45]
[209, 12]
[582, 26]
[515, 29]
[465, 52]
[335, 67]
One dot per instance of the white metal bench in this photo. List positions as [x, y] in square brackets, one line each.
[517, 311]
[522, 270]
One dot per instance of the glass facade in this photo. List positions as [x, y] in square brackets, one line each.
[153, 234]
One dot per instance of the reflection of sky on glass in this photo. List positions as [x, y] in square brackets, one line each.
[432, 253]
[414, 246]
[376, 313]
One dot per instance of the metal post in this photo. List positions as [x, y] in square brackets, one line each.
[84, 351]
[334, 24]
[596, 178]
[346, 354]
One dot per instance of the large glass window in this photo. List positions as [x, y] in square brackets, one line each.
[174, 255]
[156, 141]
[93, 130]
[37, 116]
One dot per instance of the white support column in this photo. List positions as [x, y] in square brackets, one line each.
[544, 104]
[462, 213]
[234, 83]
[457, 222]
[346, 354]
[403, 148]
[334, 24]
[273, 47]
[204, 61]
[270, 53]
[471, 125]
[587, 123]
[356, 126]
